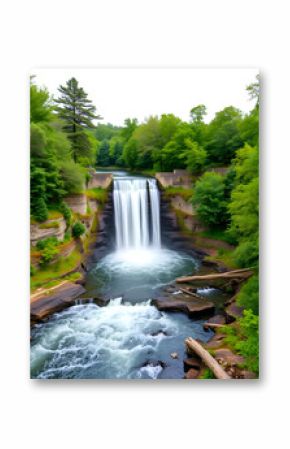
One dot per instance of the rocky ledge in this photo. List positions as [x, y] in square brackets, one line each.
[193, 307]
[62, 298]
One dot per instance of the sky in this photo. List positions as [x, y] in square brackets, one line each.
[140, 92]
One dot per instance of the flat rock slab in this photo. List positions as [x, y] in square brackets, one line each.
[193, 307]
[62, 298]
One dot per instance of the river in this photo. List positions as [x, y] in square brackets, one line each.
[129, 338]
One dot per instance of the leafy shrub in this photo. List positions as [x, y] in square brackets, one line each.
[249, 345]
[50, 241]
[247, 253]
[39, 209]
[48, 253]
[66, 212]
[78, 229]
[209, 199]
[248, 296]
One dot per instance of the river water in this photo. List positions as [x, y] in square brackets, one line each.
[129, 338]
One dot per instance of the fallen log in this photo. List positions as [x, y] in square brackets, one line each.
[187, 292]
[209, 361]
[244, 273]
[212, 325]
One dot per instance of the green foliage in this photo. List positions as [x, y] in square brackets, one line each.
[248, 346]
[103, 158]
[45, 243]
[244, 207]
[186, 194]
[195, 156]
[207, 374]
[66, 212]
[223, 136]
[209, 199]
[248, 296]
[130, 153]
[98, 194]
[49, 225]
[78, 229]
[40, 105]
[72, 176]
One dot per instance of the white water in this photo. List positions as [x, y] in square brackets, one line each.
[136, 226]
[116, 341]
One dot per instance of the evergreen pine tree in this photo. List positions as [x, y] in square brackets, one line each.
[77, 112]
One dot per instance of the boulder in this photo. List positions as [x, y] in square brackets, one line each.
[226, 357]
[233, 311]
[193, 307]
[192, 373]
[62, 298]
[217, 319]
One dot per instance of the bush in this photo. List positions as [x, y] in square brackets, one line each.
[78, 229]
[247, 253]
[66, 212]
[249, 345]
[39, 209]
[248, 296]
[48, 253]
[209, 199]
[50, 241]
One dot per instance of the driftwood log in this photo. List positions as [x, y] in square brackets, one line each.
[242, 274]
[209, 361]
[187, 292]
[213, 325]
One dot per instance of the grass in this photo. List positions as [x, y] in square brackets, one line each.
[186, 194]
[53, 214]
[217, 234]
[51, 224]
[207, 374]
[56, 270]
[225, 257]
[97, 194]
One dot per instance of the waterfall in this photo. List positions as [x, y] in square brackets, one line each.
[137, 213]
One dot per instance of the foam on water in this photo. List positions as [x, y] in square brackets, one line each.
[117, 341]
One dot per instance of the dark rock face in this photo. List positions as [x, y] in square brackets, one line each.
[171, 236]
[105, 236]
[193, 307]
[64, 297]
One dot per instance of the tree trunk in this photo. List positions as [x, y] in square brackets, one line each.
[235, 274]
[209, 361]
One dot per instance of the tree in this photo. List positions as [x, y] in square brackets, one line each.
[103, 158]
[40, 104]
[197, 113]
[130, 153]
[223, 136]
[195, 156]
[77, 113]
[244, 207]
[209, 199]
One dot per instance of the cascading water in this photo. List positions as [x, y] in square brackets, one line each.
[137, 213]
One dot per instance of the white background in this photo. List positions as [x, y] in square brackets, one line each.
[182, 33]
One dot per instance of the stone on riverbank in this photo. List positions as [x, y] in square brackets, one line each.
[193, 307]
[59, 300]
